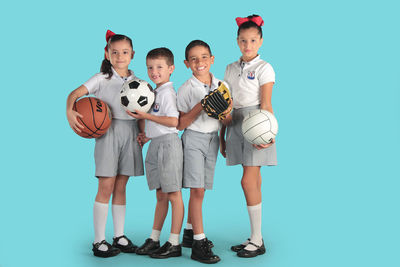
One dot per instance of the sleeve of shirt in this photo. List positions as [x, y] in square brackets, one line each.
[266, 74]
[169, 108]
[93, 84]
[182, 100]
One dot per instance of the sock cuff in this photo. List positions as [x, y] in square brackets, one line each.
[199, 236]
[99, 204]
[255, 207]
[189, 226]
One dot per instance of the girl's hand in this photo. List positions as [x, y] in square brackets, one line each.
[138, 114]
[142, 139]
[265, 146]
[222, 147]
[73, 120]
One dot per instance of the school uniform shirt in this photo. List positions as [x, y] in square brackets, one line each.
[109, 90]
[246, 78]
[164, 105]
[190, 94]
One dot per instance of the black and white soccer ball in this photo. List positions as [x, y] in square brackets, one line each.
[137, 95]
[259, 127]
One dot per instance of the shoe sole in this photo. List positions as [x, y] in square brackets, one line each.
[176, 254]
[251, 255]
[205, 261]
[102, 255]
[146, 253]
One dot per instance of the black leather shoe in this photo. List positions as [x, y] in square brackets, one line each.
[244, 253]
[237, 248]
[129, 248]
[187, 239]
[110, 252]
[166, 251]
[201, 251]
[148, 247]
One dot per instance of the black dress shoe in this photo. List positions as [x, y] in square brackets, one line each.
[166, 251]
[110, 252]
[187, 240]
[239, 247]
[129, 248]
[148, 247]
[201, 251]
[244, 253]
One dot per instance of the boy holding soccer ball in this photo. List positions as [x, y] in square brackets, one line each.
[164, 158]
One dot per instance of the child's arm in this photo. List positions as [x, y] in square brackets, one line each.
[222, 144]
[185, 119]
[163, 120]
[71, 114]
[266, 95]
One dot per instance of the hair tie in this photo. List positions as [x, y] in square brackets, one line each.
[257, 20]
[109, 34]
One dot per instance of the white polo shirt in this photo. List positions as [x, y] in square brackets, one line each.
[246, 78]
[190, 94]
[164, 105]
[109, 90]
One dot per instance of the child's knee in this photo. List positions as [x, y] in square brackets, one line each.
[174, 196]
[161, 196]
[197, 193]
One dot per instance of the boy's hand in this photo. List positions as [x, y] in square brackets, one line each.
[138, 114]
[73, 120]
[259, 147]
[222, 147]
[142, 139]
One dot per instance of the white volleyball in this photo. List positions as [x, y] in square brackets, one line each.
[259, 127]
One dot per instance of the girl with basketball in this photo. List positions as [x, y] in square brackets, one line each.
[117, 154]
[251, 80]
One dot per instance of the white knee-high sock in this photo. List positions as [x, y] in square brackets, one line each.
[118, 213]
[255, 223]
[100, 211]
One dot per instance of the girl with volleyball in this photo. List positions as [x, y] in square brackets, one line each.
[117, 154]
[251, 80]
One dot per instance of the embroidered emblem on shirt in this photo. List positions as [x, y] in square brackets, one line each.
[251, 75]
[156, 107]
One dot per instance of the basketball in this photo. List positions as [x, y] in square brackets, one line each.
[96, 116]
[259, 127]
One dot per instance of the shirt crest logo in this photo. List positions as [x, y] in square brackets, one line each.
[251, 75]
[156, 107]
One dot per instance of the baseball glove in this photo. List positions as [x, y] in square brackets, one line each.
[217, 103]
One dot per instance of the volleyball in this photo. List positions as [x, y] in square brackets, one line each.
[259, 127]
[137, 95]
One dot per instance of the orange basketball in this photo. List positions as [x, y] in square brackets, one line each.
[96, 116]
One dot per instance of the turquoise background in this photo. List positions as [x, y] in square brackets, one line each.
[332, 201]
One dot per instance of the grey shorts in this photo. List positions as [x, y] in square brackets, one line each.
[164, 163]
[117, 151]
[239, 150]
[200, 151]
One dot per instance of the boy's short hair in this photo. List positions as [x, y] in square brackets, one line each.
[162, 52]
[196, 43]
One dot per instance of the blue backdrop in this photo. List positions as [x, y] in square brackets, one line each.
[333, 199]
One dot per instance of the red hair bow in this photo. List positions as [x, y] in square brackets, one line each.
[257, 20]
[109, 34]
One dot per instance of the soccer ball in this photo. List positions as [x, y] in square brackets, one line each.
[137, 95]
[259, 127]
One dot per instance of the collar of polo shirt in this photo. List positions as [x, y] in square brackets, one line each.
[115, 74]
[254, 60]
[197, 82]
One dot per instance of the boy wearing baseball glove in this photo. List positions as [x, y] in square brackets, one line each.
[203, 101]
